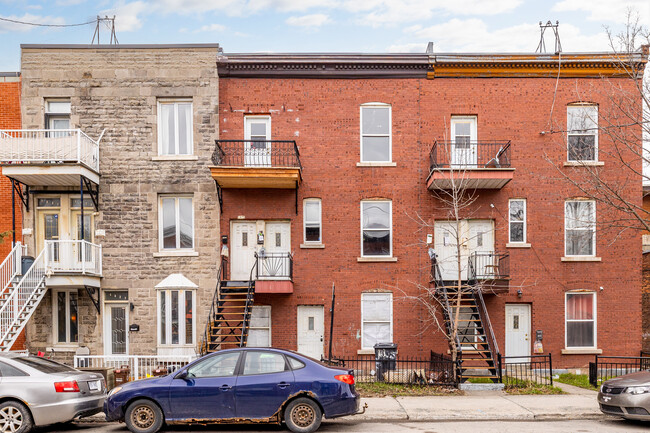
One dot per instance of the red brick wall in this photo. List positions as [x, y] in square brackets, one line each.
[9, 119]
[323, 117]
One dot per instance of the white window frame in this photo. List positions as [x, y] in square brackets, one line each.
[181, 317]
[363, 321]
[54, 115]
[252, 328]
[473, 129]
[389, 135]
[390, 226]
[566, 229]
[510, 221]
[177, 220]
[593, 132]
[55, 317]
[594, 320]
[319, 222]
[190, 144]
[257, 118]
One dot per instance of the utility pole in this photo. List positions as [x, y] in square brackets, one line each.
[110, 24]
[541, 48]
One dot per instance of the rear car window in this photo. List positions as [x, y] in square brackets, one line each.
[295, 364]
[7, 370]
[43, 365]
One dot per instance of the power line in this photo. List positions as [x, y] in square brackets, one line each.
[45, 25]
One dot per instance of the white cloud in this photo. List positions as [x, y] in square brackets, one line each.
[6, 26]
[473, 35]
[606, 10]
[69, 2]
[314, 20]
[34, 7]
[291, 5]
[211, 28]
[127, 15]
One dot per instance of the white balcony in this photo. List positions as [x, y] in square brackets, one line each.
[43, 157]
[72, 263]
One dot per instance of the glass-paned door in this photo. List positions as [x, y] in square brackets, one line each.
[463, 133]
[257, 150]
[116, 322]
[50, 230]
[85, 253]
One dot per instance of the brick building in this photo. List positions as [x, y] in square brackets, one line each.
[329, 170]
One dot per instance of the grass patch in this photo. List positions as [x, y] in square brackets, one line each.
[381, 389]
[527, 387]
[579, 380]
[479, 380]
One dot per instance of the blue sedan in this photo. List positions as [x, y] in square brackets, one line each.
[253, 385]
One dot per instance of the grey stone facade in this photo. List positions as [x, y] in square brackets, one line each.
[117, 89]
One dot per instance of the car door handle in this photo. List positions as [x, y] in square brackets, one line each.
[283, 385]
[225, 387]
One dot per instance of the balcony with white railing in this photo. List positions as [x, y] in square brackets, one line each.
[72, 263]
[46, 157]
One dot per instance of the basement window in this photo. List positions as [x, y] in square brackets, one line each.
[580, 320]
[66, 316]
[259, 334]
[376, 319]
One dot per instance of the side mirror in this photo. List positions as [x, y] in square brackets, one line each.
[181, 375]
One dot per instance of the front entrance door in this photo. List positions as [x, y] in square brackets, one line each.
[277, 244]
[517, 330]
[472, 236]
[115, 328]
[311, 329]
[244, 246]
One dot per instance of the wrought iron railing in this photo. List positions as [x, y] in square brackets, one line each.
[274, 266]
[519, 371]
[469, 154]
[256, 153]
[491, 339]
[489, 265]
[607, 367]
[204, 346]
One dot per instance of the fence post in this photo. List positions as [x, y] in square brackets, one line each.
[550, 367]
[499, 366]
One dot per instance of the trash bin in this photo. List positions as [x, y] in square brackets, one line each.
[160, 371]
[26, 262]
[122, 375]
[107, 372]
[385, 358]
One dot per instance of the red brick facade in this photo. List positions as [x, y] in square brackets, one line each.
[9, 119]
[323, 116]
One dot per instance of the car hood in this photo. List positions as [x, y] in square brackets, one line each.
[641, 378]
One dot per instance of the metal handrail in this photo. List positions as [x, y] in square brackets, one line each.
[469, 154]
[275, 265]
[485, 319]
[497, 262]
[203, 348]
[10, 267]
[257, 153]
[72, 256]
[248, 307]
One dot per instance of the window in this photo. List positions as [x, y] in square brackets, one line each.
[176, 223]
[175, 317]
[7, 370]
[376, 319]
[264, 363]
[312, 220]
[517, 220]
[579, 228]
[175, 127]
[376, 133]
[582, 132]
[580, 316]
[376, 228]
[259, 334]
[222, 365]
[66, 329]
[57, 114]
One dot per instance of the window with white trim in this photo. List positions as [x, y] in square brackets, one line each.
[580, 228]
[376, 228]
[312, 221]
[376, 129]
[66, 316]
[376, 319]
[259, 334]
[176, 223]
[517, 220]
[57, 114]
[175, 127]
[582, 132]
[580, 320]
[176, 317]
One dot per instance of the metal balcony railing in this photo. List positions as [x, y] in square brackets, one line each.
[256, 153]
[489, 265]
[469, 155]
[48, 146]
[63, 256]
[274, 266]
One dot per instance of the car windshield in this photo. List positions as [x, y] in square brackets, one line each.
[43, 365]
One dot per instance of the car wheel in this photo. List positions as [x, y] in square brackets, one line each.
[303, 415]
[15, 417]
[143, 416]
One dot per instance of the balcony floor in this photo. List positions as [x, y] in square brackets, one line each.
[49, 175]
[474, 178]
[256, 177]
[60, 279]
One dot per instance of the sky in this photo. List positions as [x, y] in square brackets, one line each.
[368, 26]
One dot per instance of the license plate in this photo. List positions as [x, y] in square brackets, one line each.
[95, 385]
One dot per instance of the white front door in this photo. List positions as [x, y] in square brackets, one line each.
[277, 244]
[244, 245]
[517, 330]
[447, 236]
[481, 242]
[463, 133]
[257, 133]
[311, 330]
[116, 333]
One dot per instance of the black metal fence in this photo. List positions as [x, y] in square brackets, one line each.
[274, 266]
[608, 367]
[489, 265]
[256, 153]
[463, 154]
[437, 370]
[519, 371]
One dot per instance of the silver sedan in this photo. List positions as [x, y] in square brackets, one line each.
[36, 391]
[627, 396]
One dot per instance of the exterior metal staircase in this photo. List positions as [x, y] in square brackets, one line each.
[20, 295]
[477, 352]
[230, 314]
